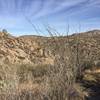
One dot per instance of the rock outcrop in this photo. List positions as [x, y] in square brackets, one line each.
[24, 49]
[38, 49]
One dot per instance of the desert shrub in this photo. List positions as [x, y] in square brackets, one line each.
[87, 65]
[24, 72]
[40, 70]
[8, 78]
[59, 85]
[29, 72]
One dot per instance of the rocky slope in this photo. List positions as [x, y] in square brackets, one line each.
[42, 50]
[24, 49]
[30, 49]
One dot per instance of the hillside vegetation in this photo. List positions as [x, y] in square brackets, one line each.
[50, 68]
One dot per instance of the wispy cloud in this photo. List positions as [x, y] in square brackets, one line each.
[56, 11]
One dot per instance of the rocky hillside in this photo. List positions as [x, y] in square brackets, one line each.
[37, 49]
[24, 49]
[41, 51]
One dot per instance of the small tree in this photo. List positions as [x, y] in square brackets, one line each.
[4, 31]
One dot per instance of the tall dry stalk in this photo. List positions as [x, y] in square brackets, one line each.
[62, 76]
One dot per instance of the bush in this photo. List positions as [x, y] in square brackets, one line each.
[4, 31]
[87, 65]
[28, 72]
[8, 78]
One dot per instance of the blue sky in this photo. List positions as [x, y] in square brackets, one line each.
[16, 15]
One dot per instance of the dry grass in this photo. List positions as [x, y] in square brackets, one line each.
[45, 82]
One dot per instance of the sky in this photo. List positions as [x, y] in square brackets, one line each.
[24, 17]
